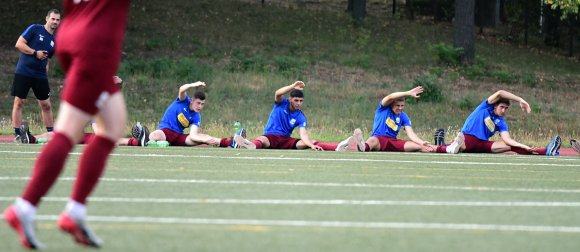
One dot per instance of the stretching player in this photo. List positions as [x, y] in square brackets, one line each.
[285, 116]
[487, 119]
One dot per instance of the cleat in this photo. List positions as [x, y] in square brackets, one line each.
[136, 129]
[242, 133]
[553, 149]
[25, 135]
[143, 136]
[79, 231]
[440, 137]
[454, 147]
[358, 139]
[244, 143]
[17, 139]
[343, 146]
[575, 145]
[24, 227]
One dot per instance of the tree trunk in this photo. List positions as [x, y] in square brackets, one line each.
[394, 7]
[410, 8]
[349, 6]
[526, 21]
[464, 30]
[359, 10]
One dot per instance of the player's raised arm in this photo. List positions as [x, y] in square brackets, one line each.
[502, 94]
[183, 89]
[279, 94]
[394, 96]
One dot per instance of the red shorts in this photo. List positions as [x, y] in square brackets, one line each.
[391, 144]
[476, 145]
[89, 43]
[281, 142]
[174, 138]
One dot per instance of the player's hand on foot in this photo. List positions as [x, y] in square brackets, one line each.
[317, 148]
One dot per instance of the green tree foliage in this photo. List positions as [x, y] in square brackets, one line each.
[568, 7]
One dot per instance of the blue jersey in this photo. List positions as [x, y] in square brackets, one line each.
[387, 123]
[483, 123]
[38, 38]
[178, 116]
[282, 121]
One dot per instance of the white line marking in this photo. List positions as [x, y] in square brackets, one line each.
[329, 159]
[319, 202]
[326, 224]
[356, 185]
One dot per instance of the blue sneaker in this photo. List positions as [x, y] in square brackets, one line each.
[242, 133]
[553, 149]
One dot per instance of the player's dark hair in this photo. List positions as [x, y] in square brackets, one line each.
[199, 95]
[55, 11]
[296, 93]
[502, 100]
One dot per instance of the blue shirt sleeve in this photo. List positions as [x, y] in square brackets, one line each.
[28, 34]
[406, 121]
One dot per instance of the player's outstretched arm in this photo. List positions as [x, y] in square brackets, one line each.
[387, 100]
[306, 139]
[506, 138]
[279, 94]
[183, 89]
[507, 95]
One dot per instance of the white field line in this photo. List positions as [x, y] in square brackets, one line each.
[325, 224]
[332, 202]
[313, 184]
[330, 159]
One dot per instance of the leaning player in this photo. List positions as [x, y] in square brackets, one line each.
[90, 43]
[285, 116]
[488, 118]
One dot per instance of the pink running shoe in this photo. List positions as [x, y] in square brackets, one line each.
[24, 227]
[79, 230]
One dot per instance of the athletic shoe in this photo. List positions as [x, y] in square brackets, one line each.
[24, 226]
[143, 136]
[136, 129]
[79, 230]
[553, 149]
[17, 139]
[454, 147]
[358, 139]
[244, 143]
[440, 137]
[575, 145]
[242, 133]
[25, 135]
[343, 146]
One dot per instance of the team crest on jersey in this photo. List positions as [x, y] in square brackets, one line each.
[183, 120]
[397, 120]
[40, 37]
[52, 43]
[292, 121]
[489, 124]
[391, 124]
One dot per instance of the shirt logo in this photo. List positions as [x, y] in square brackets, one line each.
[489, 124]
[40, 37]
[183, 120]
[397, 120]
[391, 124]
[293, 121]
[51, 43]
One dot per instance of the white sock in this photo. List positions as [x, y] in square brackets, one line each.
[24, 207]
[76, 210]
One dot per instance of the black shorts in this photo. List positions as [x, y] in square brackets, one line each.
[22, 84]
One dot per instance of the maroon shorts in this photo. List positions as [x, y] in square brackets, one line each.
[174, 138]
[281, 142]
[89, 43]
[476, 145]
[391, 144]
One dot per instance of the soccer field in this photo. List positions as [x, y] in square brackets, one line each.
[212, 199]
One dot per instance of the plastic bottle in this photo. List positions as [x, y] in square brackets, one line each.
[237, 126]
[41, 140]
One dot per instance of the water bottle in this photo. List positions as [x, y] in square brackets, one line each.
[152, 144]
[42, 140]
[237, 126]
